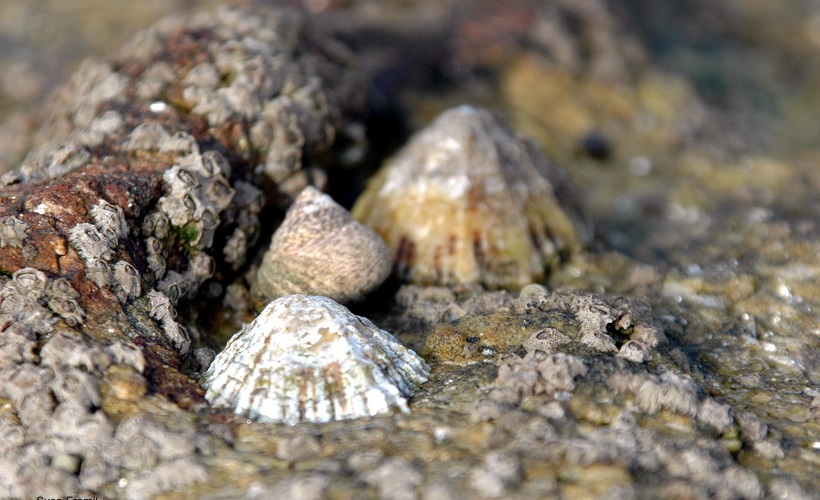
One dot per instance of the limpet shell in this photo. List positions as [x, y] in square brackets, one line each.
[319, 249]
[466, 201]
[308, 358]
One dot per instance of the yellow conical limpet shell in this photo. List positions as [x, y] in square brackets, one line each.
[466, 201]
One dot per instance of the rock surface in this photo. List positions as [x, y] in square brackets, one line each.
[543, 395]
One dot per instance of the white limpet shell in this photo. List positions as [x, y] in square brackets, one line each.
[308, 358]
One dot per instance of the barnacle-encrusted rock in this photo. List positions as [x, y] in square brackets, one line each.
[148, 168]
[466, 201]
[307, 358]
[320, 250]
[20, 300]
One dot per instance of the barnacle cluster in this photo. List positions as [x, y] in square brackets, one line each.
[593, 320]
[196, 193]
[254, 77]
[168, 154]
[162, 310]
[210, 119]
[110, 221]
[232, 110]
[63, 299]
[97, 243]
[22, 300]
[564, 377]
[55, 433]
[244, 213]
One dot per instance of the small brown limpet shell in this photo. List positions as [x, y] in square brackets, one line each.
[466, 201]
[319, 249]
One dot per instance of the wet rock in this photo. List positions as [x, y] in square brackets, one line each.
[590, 320]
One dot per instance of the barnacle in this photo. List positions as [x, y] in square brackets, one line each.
[17, 344]
[60, 287]
[110, 221]
[155, 257]
[41, 165]
[180, 179]
[180, 143]
[178, 335]
[201, 266]
[161, 308]
[12, 232]
[98, 271]
[635, 351]
[126, 353]
[212, 163]
[106, 125]
[29, 251]
[320, 249]
[465, 201]
[307, 358]
[179, 209]
[280, 129]
[90, 243]
[207, 227]
[11, 301]
[236, 248]
[126, 281]
[156, 223]
[155, 80]
[73, 420]
[72, 385]
[66, 348]
[25, 380]
[31, 282]
[147, 137]
[174, 285]
[179, 286]
[68, 308]
[219, 192]
[202, 75]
